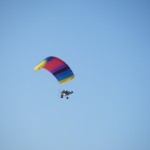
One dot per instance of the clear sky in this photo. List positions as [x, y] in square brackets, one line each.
[107, 45]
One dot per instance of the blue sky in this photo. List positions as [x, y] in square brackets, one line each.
[107, 45]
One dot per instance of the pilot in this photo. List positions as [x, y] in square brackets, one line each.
[65, 93]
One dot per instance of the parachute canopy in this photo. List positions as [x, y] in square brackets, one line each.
[57, 67]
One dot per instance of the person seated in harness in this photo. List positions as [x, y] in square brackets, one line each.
[66, 93]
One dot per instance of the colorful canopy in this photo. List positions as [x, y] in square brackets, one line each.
[57, 67]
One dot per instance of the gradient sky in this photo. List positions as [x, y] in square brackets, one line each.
[107, 45]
